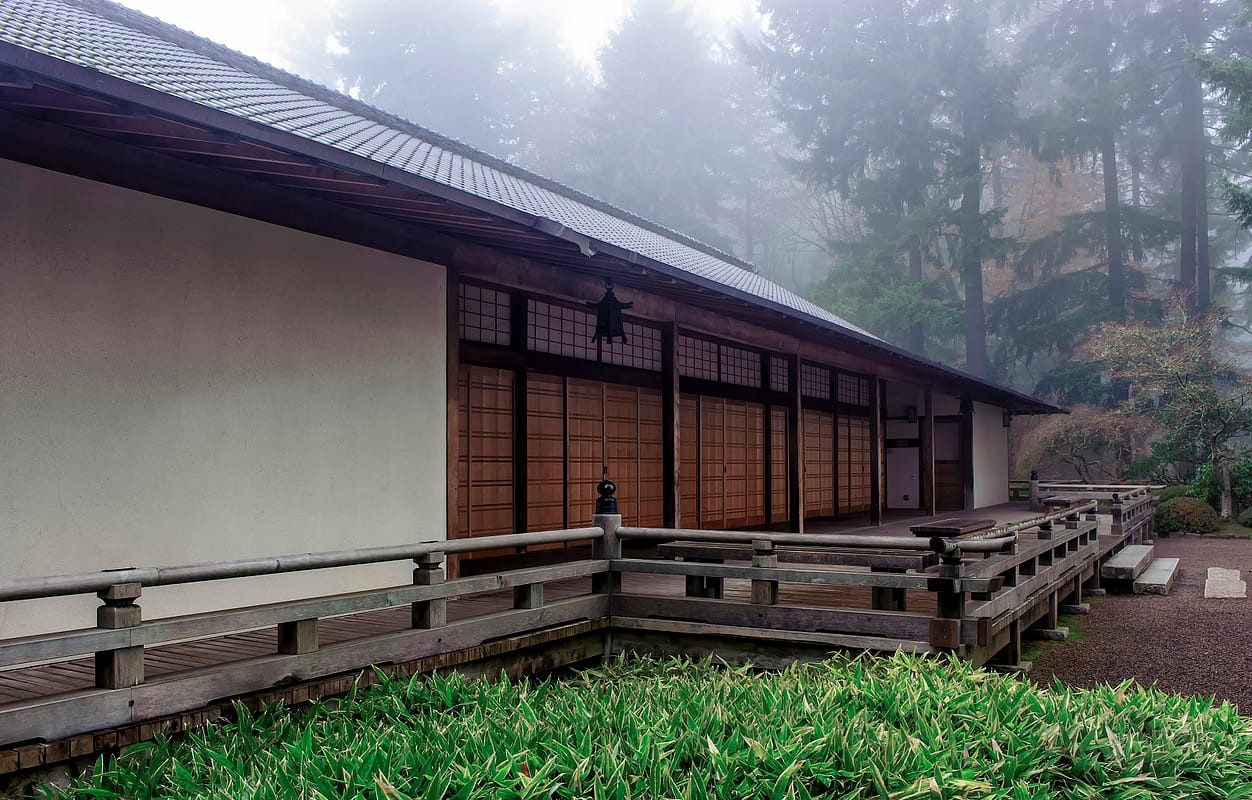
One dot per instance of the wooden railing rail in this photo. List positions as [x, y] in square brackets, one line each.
[830, 540]
[89, 582]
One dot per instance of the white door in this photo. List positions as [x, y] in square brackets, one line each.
[903, 485]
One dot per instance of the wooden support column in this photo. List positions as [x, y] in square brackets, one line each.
[429, 572]
[123, 667]
[795, 446]
[926, 453]
[764, 592]
[967, 451]
[517, 337]
[297, 637]
[670, 431]
[876, 459]
[452, 376]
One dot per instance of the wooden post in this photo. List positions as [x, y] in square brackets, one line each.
[926, 453]
[887, 598]
[123, 667]
[876, 388]
[945, 629]
[967, 451]
[764, 592]
[1036, 502]
[429, 572]
[452, 378]
[795, 446]
[607, 547]
[297, 637]
[529, 595]
[671, 421]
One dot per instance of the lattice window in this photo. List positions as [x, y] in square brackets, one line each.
[641, 350]
[485, 315]
[815, 381]
[740, 367]
[560, 330]
[779, 374]
[853, 390]
[697, 358]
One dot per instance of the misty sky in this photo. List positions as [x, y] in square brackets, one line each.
[261, 28]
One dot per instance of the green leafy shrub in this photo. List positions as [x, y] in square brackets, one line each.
[902, 727]
[1207, 484]
[1245, 517]
[1170, 492]
[1190, 514]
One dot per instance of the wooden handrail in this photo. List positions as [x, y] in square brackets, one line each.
[88, 582]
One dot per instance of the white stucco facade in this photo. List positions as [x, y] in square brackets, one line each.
[181, 385]
[991, 456]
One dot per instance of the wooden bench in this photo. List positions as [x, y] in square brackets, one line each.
[952, 527]
[882, 598]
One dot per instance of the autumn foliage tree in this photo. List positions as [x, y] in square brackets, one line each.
[1097, 444]
[1186, 380]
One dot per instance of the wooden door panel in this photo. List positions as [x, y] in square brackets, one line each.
[485, 397]
[779, 507]
[819, 463]
[545, 453]
[712, 462]
[585, 453]
[688, 462]
[854, 464]
[651, 460]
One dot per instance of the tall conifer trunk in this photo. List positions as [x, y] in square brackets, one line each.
[970, 225]
[1108, 160]
[917, 335]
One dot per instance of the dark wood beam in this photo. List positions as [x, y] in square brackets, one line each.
[876, 387]
[671, 411]
[926, 452]
[453, 445]
[795, 446]
[967, 450]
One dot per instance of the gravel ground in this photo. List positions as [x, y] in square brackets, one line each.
[1181, 641]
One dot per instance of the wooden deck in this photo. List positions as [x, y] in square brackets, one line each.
[649, 607]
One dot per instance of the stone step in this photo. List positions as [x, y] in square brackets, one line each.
[1128, 563]
[1159, 577]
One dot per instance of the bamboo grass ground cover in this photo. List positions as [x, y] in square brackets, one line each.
[851, 727]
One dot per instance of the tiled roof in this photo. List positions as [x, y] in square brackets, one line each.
[128, 45]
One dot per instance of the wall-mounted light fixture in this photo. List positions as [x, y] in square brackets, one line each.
[609, 316]
[910, 414]
[1007, 419]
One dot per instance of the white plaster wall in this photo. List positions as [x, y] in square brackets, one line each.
[991, 456]
[181, 385]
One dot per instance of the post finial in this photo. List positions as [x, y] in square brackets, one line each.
[1034, 474]
[606, 503]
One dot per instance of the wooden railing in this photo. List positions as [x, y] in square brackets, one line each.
[974, 602]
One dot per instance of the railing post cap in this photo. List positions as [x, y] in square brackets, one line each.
[121, 591]
[606, 503]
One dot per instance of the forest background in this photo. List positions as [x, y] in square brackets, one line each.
[1043, 193]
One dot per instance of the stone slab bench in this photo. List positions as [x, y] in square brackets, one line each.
[1159, 577]
[1128, 563]
[954, 526]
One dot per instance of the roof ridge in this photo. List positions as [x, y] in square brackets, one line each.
[154, 26]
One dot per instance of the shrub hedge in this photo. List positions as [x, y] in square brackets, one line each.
[1189, 514]
[890, 728]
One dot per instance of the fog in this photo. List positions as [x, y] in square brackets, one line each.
[982, 181]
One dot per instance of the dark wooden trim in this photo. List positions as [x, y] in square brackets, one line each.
[729, 391]
[452, 380]
[487, 355]
[876, 390]
[926, 452]
[767, 446]
[967, 450]
[671, 413]
[795, 445]
[521, 447]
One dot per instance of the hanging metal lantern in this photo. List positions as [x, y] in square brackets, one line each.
[609, 316]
